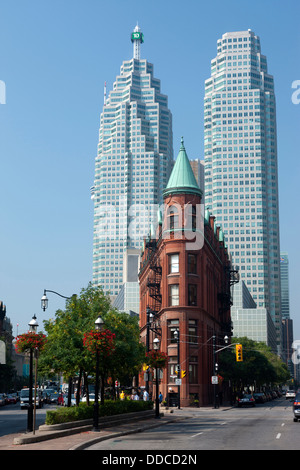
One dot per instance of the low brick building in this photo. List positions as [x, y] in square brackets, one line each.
[185, 279]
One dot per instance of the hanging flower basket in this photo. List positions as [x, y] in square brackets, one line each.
[102, 342]
[157, 359]
[28, 341]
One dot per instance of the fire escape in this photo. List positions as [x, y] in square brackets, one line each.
[153, 284]
[225, 297]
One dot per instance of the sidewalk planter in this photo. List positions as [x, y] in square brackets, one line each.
[83, 411]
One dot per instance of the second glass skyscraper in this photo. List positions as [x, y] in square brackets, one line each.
[241, 182]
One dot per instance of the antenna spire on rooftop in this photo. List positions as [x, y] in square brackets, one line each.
[137, 38]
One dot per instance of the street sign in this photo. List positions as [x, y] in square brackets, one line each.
[214, 379]
[177, 381]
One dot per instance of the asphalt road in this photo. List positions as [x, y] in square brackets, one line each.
[267, 426]
[14, 420]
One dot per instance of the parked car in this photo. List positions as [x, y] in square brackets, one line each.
[259, 397]
[246, 400]
[290, 394]
[296, 407]
[11, 399]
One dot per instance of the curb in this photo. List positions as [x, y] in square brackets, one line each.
[95, 440]
[54, 431]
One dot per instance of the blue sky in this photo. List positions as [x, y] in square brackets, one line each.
[55, 57]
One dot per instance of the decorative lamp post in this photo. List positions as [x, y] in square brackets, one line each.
[99, 324]
[33, 325]
[44, 299]
[177, 337]
[44, 305]
[156, 344]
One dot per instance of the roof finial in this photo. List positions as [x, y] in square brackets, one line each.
[182, 142]
[137, 38]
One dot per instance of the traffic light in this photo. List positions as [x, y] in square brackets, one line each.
[239, 352]
[183, 374]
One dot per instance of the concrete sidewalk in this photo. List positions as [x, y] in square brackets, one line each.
[47, 440]
[79, 439]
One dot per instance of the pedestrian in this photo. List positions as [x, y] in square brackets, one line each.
[160, 397]
[135, 396]
[122, 395]
[145, 395]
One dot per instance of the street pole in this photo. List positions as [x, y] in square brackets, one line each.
[30, 408]
[33, 325]
[96, 403]
[177, 335]
[147, 346]
[35, 387]
[215, 371]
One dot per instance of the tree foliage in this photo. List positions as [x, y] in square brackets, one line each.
[65, 351]
[260, 365]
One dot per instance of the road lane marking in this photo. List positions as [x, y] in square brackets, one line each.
[198, 434]
[278, 435]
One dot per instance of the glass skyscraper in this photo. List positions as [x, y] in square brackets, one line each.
[241, 181]
[133, 165]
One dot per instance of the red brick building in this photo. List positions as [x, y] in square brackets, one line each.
[185, 288]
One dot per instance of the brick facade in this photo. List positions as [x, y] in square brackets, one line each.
[186, 289]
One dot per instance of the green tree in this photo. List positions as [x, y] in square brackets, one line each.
[260, 365]
[65, 352]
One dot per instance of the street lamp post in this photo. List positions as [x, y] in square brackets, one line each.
[156, 344]
[215, 371]
[99, 323]
[177, 337]
[33, 325]
[216, 366]
[44, 299]
[44, 305]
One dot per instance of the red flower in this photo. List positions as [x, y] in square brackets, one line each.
[157, 359]
[28, 341]
[102, 342]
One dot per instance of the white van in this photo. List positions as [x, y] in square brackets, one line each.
[24, 398]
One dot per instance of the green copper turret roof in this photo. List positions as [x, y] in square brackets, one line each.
[182, 179]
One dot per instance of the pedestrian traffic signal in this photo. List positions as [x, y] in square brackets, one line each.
[183, 374]
[239, 352]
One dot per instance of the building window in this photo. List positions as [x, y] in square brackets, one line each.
[192, 264]
[193, 370]
[173, 218]
[172, 370]
[173, 294]
[194, 219]
[193, 338]
[192, 294]
[174, 263]
[173, 325]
